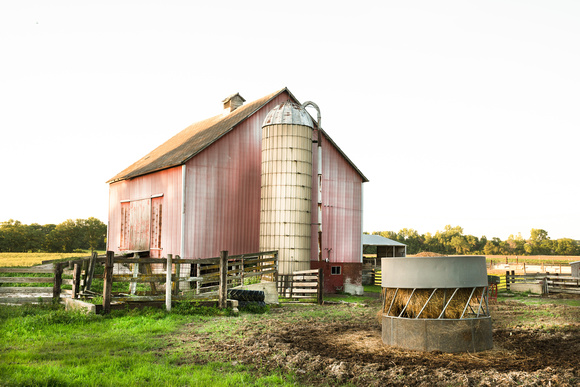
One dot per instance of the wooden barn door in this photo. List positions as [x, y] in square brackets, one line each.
[141, 225]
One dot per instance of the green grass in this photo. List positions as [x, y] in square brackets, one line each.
[372, 288]
[45, 345]
[525, 299]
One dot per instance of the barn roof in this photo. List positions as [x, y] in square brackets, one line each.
[197, 137]
[377, 240]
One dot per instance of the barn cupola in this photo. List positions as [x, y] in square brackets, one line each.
[233, 102]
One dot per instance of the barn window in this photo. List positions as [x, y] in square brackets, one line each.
[335, 270]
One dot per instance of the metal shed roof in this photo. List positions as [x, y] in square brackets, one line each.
[197, 137]
[377, 240]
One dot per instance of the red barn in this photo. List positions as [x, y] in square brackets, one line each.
[203, 191]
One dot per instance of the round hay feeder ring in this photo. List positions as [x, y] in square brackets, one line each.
[436, 303]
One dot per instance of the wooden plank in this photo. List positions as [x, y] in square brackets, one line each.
[223, 284]
[305, 284]
[91, 272]
[56, 287]
[25, 270]
[67, 281]
[24, 300]
[313, 271]
[76, 280]
[108, 282]
[25, 280]
[298, 290]
[25, 289]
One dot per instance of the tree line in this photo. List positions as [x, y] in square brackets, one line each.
[452, 241]
[66, 237]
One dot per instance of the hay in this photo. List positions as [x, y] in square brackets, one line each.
[435, 305]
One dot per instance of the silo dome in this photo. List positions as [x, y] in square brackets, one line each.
[289, 113]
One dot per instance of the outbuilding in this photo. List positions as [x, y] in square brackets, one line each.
[206, 190]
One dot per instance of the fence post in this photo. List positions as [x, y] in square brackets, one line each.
[57, 281]
[91, 271]
[177, 275]
[108, 282]
[133, 285]
[168, 283]
[223, 286]
[320, 286]
[76, 280]
[507, 280]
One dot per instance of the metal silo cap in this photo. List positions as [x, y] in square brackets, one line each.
[434, 272]
[289, 113]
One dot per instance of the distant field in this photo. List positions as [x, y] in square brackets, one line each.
[533, 259]
[31, 259]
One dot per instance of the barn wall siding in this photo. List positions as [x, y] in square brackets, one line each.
[166, 182]
[341, 208]
[223, 191]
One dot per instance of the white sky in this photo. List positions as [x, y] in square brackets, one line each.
[459, 112]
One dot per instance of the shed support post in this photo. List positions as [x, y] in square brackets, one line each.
[108, 282]
[168, 283]
[223, 285]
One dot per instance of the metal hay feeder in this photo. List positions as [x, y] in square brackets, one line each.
[436, 303]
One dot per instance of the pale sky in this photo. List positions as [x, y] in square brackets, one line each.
[458, 112]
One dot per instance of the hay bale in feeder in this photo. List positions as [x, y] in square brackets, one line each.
[428, 306]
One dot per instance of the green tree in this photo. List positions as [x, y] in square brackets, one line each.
[95, 233]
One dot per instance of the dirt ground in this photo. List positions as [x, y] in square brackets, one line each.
[533, 345]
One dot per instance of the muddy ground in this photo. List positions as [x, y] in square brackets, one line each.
[533, 345]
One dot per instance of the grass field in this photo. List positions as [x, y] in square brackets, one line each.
[31, 259]
[291, 345]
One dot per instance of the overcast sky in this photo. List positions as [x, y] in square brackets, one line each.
[458, 112]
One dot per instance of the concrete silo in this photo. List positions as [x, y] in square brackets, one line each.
[286, 190]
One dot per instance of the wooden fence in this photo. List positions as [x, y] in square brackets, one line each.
[32, 289]
[306, 285]
[214, 276]
[552, 283]
[33, 279]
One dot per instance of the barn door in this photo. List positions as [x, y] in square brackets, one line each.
[141, 225]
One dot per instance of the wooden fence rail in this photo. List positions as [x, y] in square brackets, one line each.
[214, 276]
[302, 285]
[552, 283]
[238, 269]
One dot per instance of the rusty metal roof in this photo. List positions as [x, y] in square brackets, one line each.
[197, 137]
[192, 140]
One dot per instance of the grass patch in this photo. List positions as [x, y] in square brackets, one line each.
[372, 288]
[45, 345]
[525, 299]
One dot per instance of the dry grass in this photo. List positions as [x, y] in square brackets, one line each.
[31, 259]
[435, 305]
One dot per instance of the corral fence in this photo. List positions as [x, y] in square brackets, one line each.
[305, 285]
[28, 284]
[551, 283]
[147, 278]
